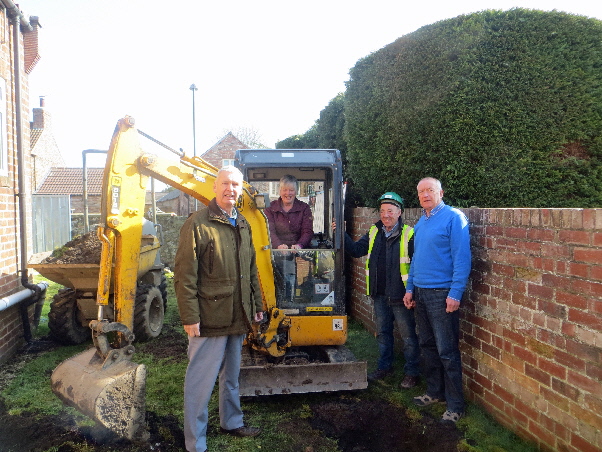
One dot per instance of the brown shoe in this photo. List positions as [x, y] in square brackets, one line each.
[409, 382]
[379, 374]
[242, 431]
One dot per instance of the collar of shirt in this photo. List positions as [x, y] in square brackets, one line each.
[393, 229]
[232, 217]
[434, 211]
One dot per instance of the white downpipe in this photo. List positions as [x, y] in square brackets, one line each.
[16, 298]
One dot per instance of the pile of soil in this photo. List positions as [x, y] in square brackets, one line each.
[84, 249]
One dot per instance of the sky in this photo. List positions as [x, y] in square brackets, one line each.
[269, 66]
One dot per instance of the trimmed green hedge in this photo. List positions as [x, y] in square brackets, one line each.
[505, 108]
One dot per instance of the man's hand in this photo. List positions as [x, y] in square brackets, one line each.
[282, 247]
[333, 225]
[193, 330]
[408, 301]
[258, 316]
[452, 305]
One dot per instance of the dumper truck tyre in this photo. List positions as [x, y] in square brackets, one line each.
[65, 319]
[163, 289]
[149, 312]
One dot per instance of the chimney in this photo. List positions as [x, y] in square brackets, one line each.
[41, 118]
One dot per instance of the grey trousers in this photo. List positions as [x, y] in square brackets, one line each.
[209, 357]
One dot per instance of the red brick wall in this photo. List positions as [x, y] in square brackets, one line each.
[360, 305]
[11, 331]
[531, 320]
[77, 204]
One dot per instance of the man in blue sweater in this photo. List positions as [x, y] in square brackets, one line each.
[438, 276]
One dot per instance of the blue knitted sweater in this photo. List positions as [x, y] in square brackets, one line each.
[442, 258]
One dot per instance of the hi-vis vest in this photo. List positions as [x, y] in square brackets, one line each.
[404, 258]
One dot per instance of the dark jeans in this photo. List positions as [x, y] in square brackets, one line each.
[439, 335]
[386, 315]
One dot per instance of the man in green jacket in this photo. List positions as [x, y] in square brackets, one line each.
[218, 297]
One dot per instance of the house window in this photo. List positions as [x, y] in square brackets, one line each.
[274, 189]
[227, 162]
[3, 131]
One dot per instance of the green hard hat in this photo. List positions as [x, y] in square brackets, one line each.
[391, 198]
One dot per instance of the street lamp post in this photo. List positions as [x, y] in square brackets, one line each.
[193, 88]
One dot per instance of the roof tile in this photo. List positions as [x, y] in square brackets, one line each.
[69, 181]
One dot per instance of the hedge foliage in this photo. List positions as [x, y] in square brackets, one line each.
[326, 133]
[505, 108]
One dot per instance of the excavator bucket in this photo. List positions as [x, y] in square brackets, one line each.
[113, 395]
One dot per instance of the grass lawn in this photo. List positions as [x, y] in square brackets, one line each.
[285, 419]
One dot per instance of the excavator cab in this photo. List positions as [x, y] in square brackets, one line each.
[309, 282]
[308, 315]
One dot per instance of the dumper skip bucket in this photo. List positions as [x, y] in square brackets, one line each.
[113, 395]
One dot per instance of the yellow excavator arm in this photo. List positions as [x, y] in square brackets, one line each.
[125, 182]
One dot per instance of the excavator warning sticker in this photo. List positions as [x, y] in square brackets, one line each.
[337, 324]
[322, 288]
[318, 309]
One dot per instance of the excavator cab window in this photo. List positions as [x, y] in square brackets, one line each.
[305, 281]
[308, 281]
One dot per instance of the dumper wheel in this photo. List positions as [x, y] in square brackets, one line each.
[149, 312]
[163, 289]
[65, 319]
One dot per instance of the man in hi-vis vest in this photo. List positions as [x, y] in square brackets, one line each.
[389, 245]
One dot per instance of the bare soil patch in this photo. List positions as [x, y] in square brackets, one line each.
[378, 426]
[362, 426]
[359, 425]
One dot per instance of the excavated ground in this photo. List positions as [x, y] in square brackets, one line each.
[359, 425]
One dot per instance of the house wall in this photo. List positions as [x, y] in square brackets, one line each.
[77, 203]
[531, 320]
[11, 330]
[170, 206]
[46, 153]
[225, 149]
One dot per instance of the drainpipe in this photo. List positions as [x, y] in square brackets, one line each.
[85, 185]
[20, 296]
[37, 295]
